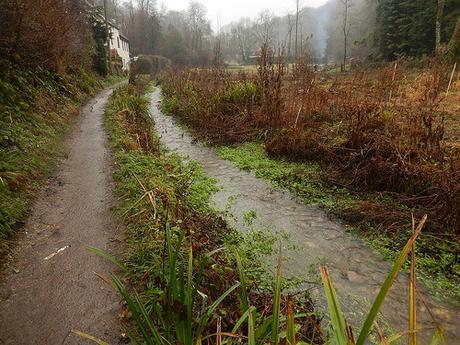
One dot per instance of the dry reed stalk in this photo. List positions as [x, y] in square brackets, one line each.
[451, 77]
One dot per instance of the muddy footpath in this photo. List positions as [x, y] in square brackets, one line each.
[51, 285]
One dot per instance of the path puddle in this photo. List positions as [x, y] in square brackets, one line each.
[357, 272]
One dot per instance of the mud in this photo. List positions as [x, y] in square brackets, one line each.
[43, 300]
[357, 272]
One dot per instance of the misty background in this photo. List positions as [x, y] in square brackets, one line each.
[191, 32]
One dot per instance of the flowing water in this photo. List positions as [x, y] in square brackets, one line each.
[356, 271]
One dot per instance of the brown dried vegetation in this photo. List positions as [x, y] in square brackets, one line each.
[52, 34]
[373, 130]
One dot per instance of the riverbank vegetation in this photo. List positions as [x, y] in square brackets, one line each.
[379, 134]
[188, 278]
[194, 275]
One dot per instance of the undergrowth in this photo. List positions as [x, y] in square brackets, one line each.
[372, 130]
[36, 109]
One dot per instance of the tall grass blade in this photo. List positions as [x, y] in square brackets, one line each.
[243, 287]
[237, 326]
[172, 260]
[276, 302]
[90, 337]
[251, 328]
[412, 295]
[108, 257]
[134, 309]
[264, 329]
[367, 326]
[240, 321]
[189, 293]
[438, 337]
[153, 330]
[290, 325]
[219, 331]
[212, 308]
[339, 326]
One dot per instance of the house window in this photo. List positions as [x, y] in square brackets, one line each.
[118, 41]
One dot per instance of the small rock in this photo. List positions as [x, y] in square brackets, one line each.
[353, 276]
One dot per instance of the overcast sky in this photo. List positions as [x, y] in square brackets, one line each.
[226, 11]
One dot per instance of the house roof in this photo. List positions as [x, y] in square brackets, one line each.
[113, 25]
[91, 3]
[124, 37]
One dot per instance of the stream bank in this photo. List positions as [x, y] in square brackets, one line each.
[356, 271]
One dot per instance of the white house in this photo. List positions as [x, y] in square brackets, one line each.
[120, 44]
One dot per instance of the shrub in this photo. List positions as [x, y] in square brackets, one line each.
[51, 34]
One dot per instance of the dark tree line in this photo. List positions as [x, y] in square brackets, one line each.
[408, 27]
[56, 34]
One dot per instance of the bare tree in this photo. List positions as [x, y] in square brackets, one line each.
[449, 46]
[242, 35]
[439, 14]
[346, 25]
[298, 6]
[289, 34]
[109, 54]
[264, 27]
[198, 23]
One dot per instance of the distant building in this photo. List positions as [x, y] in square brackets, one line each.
[120, 44]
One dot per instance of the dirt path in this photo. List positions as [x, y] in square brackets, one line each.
[42, 300]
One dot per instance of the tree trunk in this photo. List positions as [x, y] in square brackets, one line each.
[439, 15]
[289, 45]
[108, 37]
[455, 37]
[296, 27]
[345, 33]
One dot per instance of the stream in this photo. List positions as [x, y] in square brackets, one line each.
[356, 271]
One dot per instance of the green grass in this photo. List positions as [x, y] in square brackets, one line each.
[302, 179]
[36, 109]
